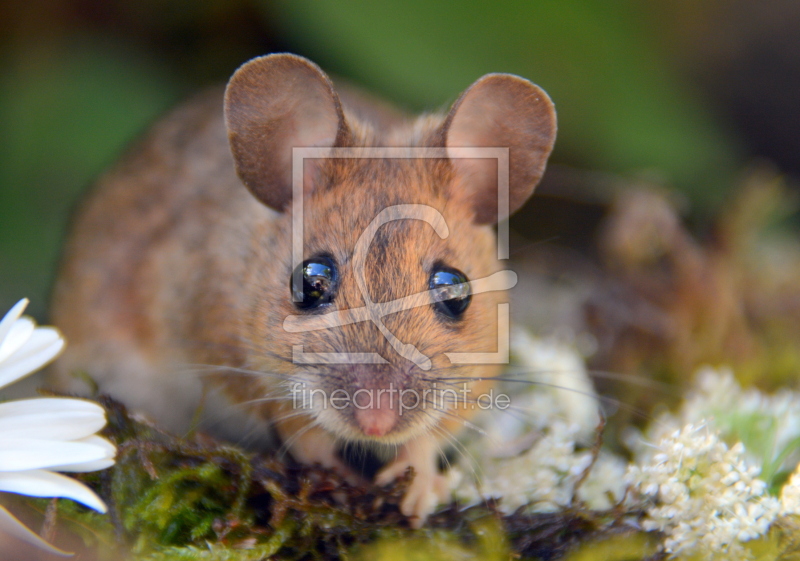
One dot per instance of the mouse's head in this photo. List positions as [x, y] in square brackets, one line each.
[398, 275]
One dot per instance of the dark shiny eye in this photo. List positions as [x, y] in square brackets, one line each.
[452, 292]
[313, 283]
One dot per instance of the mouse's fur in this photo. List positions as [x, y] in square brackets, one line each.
[174, 286]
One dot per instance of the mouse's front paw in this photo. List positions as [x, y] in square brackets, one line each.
[315, 446]
[427, 489]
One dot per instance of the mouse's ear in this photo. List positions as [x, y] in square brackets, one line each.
[500, 110]
[272, 104]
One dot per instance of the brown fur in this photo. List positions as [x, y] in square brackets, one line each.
[172, 264]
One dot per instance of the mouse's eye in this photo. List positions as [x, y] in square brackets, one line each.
[313, 283]
[451, 291]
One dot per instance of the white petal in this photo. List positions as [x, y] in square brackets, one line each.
[101, 442]
[51, 418]
[23, 363]
[96, 465]
[21, 330]
[46, 404]
[40, 338]
[11, 317]
[13, 527]
[23, 453]
[41, 483]
[86, 467]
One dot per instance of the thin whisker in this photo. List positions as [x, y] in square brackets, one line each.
[288, 444]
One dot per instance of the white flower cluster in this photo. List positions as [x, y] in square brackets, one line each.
[555, 369]
[544, 476]
[704, 496]
[726, 503]
[535, 453]
[42, 436]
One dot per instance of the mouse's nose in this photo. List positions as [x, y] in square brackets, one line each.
[376, 411]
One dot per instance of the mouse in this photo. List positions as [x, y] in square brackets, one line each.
[188, 292]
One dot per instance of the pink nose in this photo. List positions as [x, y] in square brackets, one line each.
[376, 413]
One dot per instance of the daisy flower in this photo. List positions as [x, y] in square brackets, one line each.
[42, 436]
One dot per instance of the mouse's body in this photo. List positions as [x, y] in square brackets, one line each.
[176, 283]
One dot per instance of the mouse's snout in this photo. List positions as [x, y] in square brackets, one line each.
[376, 415]
[377, 400]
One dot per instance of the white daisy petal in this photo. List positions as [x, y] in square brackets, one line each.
[21, 330]
[96, 465]
[26, 453]
[51, 404]
[41, 483]
[85, 467]
[101, 442]
[13, 527]
[15, 367]
[41, 338]
[11, 317]
[50, 418]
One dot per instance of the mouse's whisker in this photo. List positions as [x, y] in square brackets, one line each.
[460, 449]
[243, 347]
[522, 377]
[222, 414]
[205, 370]
[632, 379]
[286, 446]
[454, 415]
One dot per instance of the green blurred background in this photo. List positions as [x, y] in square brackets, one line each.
[681, 93]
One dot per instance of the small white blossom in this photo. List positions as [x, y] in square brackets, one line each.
[704, 496]
[42, 436]
[790, 494]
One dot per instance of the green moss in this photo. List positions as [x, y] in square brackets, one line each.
[617, 548]
[489, 544]
[221, 552]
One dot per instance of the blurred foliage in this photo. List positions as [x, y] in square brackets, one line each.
[65, 113]
[80, 78]
[616, 548]
[665, 302]
[620, 107]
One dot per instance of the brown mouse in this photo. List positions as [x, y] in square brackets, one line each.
[178, 289]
